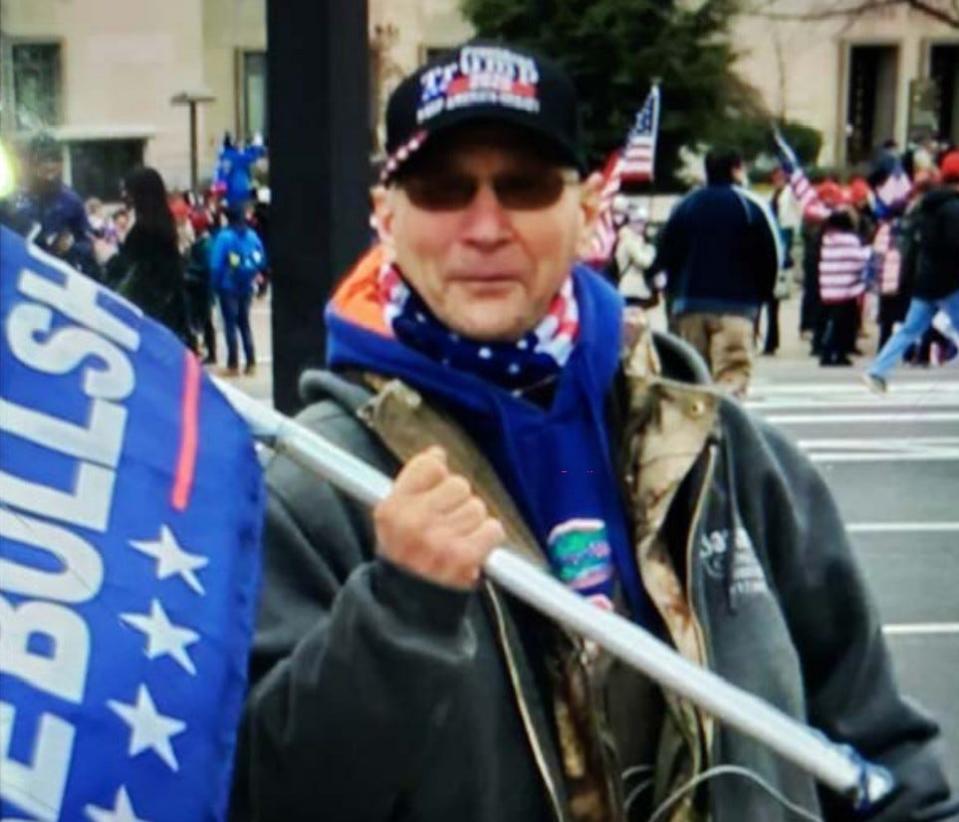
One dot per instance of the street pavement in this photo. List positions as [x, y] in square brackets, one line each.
[892, 464]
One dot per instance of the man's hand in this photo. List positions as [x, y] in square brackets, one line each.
[434, 525]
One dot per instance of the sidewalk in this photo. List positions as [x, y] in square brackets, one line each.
[260, 384]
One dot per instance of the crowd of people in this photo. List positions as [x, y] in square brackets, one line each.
[174, 254]
[881, 248]
[893, 234]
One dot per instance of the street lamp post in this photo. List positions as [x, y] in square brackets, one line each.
[191, 99]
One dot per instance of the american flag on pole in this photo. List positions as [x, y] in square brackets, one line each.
[604, 232]
[632, 163]
[811, 206]
[893, 192]
[639, 154]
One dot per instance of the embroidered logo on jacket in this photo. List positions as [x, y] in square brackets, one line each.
[579, 549]
[747, 575]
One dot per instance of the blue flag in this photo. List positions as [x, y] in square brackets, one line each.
[129, 558]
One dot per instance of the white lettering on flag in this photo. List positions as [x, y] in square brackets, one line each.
[82, 568]
[62, 673]
[37, 787]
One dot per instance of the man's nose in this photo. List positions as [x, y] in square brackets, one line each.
[487, 222]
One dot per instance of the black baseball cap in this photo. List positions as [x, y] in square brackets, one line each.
[483, 81]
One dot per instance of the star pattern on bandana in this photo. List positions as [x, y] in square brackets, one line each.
[537, 356]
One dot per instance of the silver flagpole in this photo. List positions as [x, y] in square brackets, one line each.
[838, 767]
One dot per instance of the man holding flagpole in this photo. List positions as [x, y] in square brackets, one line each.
[502, 386]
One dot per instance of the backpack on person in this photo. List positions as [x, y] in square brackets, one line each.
[245, 259]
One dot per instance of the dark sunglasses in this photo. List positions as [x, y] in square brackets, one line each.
[444, 190]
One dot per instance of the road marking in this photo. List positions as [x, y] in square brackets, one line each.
[881, 449]
[931, 456]
[921, 629]
[948, 399]
[939, 401]
[910, 416]
[855, 388]
[900, 527]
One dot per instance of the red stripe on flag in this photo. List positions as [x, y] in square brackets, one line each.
[189, 429]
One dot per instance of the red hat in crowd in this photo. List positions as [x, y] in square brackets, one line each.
[858, 191]
[199, 220]
[950, 167]
[179, 208]
[831, 193]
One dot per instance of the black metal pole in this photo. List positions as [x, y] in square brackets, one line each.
[193, 147]
[318, 88]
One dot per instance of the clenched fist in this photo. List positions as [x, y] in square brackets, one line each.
[434, 525]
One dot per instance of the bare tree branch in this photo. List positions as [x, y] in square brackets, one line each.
[948, 15]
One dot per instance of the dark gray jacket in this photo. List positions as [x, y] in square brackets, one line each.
[380, 696]
[721, 251]
[930, 244]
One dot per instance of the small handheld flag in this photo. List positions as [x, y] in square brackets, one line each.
[787, 157]
[893, 192]
[634, 162]
[129, 558]
[639, 153]
[810, 205]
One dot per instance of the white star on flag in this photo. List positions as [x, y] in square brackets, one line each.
[163, 637]
[149, 728]
[172, 559]
[122, 810]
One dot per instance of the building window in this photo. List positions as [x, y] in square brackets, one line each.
[252, 117]
[97, 167]
[944, 71]
[871, 99]
[36, 85]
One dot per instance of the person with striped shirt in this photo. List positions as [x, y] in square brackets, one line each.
[843, 263]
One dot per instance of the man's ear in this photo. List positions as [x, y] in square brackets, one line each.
[382, 216]
[589, 208]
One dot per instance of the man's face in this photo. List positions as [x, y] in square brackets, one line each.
[491, 258]
[47, 174]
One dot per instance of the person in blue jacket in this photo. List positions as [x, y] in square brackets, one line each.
[233, 169]
[57, 209]
[721, 252]
[236, 261]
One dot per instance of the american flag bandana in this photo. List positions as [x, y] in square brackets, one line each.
[537, 356]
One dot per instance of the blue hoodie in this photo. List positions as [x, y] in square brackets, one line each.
[236, 257]
[556, 462]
